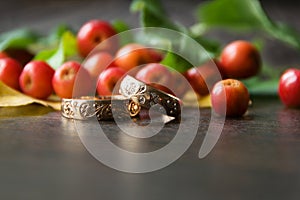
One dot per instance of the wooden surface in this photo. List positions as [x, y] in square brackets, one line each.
[256, 157]
[42, 157]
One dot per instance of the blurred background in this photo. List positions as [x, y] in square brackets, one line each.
[47, 14]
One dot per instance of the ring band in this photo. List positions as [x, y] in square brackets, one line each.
[87, 107]
[148, 96]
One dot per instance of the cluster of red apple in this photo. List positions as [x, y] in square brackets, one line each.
[39, 80]
[238, 60]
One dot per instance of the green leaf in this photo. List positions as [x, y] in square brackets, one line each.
[20, 38]
[284, 33]
[45, 54]
[265, 83]
[212, 47]
[57, 33]
[120, 25]
[175, 62]
[231, 13]
[258, 86]
[152, 14]
[183, 52]
[243, 15]
[49, 41]
[56, 57]
[154, 6]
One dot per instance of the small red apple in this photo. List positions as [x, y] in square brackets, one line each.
[162, 88]
[108, 79]
[98, 62]
[154, 56]
[155, 73]
[3, 54]
[289, 88]
[240, 59]
[69, 75]
[230, 98]
[93, 33]
[133, 55]
[197, 81]
[203, 78]
[180, 84]
[10, 71]
[35, 79]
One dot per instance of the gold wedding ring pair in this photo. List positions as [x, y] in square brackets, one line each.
[134, 96]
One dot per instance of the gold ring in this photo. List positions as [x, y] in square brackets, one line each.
[87, 107]
[148, 96]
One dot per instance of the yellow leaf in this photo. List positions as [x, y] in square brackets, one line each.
[204, 101]
[10, 97]
[24, 111]
[191, 99]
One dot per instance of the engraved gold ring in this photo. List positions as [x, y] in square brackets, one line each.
[147, 96]
[101, 107]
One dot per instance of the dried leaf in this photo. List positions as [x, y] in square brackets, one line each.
[204, 102]
[190, 99]
[24, 111]
[10, 97]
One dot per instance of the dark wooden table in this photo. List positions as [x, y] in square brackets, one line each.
[42, 157]
[256, 157]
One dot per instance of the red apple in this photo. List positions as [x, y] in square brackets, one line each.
[98, 62]
[154, 56]
[10, 70]
[35, 79]
[92, 33]
[3, 54]
[197, 81]
[180, 84]
[162, 88]
[230, 98]
[289, 88]
[108, 79]
[240, 59]
[133, 55]
[71, 75]
[203, 78]
[155, 73]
